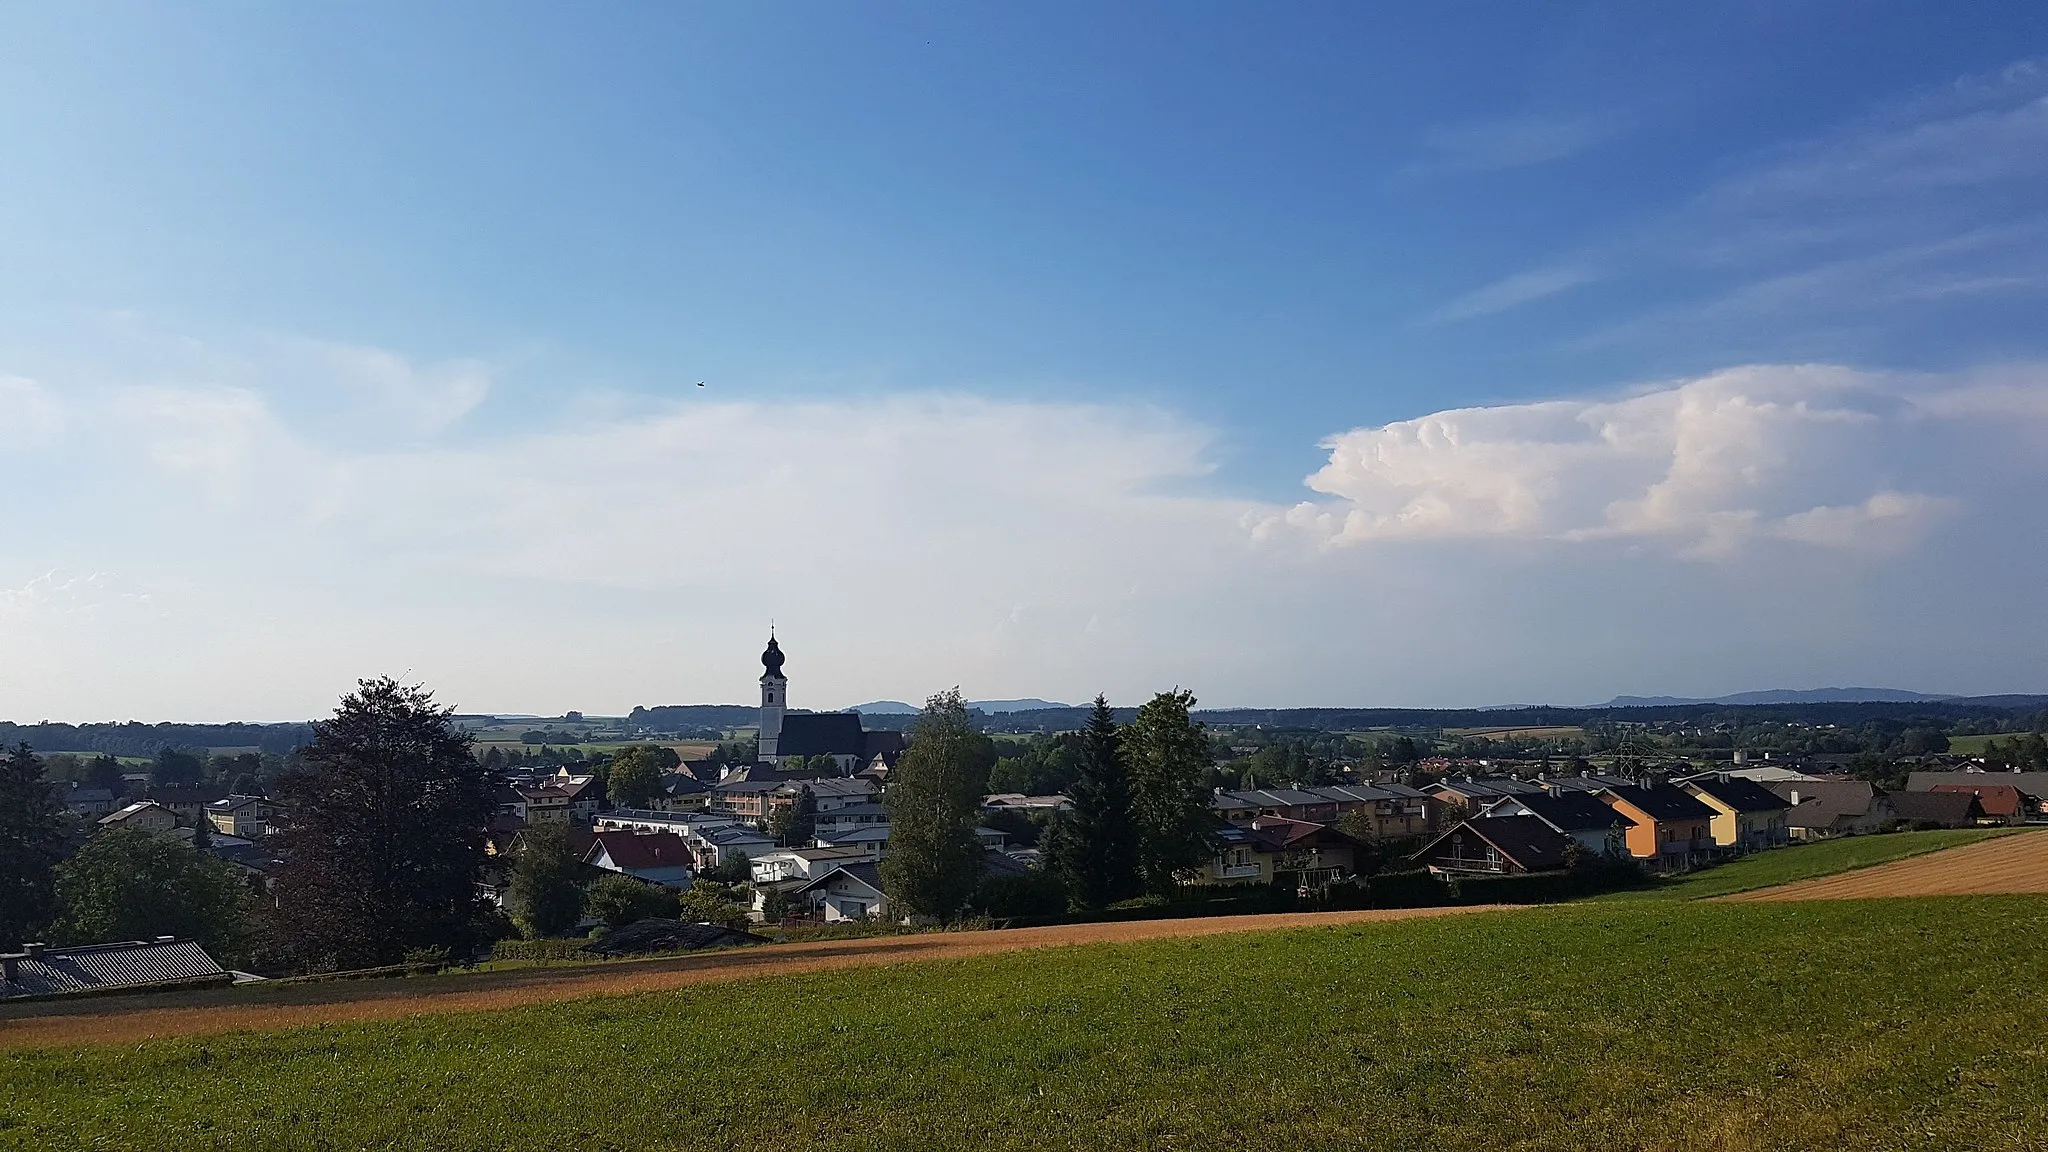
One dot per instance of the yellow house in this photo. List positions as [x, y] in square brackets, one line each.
[1748, 817]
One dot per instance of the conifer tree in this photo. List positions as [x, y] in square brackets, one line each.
[29, 846]
[1095, 852]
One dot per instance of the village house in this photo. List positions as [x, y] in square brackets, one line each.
[1946, 809]
[1496, 846]
[1473, 795]
[147, 815]
[187, 801]
[89, 802]
[656, 857]
[1394, 810]
[847, 892]
[1668, 829]
[851, 817]
[2032, 785]
[1748, 817]
[1824, 809]
[2001, 803]
[1596, 826]
[545, 803]
[250, 817]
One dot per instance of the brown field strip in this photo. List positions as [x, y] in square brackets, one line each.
[2007, 865]
[127, 1019]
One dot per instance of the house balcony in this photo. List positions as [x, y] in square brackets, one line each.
[1239, 872]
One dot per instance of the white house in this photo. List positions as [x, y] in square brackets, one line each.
[848, 892]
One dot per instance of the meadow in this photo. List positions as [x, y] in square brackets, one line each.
[1900, 1024]
[1805, 862]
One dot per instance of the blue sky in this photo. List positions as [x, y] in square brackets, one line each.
[1623, 348]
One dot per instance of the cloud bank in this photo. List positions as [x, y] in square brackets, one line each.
[254, 553]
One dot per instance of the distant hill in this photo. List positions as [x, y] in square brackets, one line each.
[1784, 696]
[899, 708]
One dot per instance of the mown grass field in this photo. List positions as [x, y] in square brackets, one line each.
[1804, 862]
[1907, 1024]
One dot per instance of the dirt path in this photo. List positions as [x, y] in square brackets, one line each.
[2005, 865]
[126, 1019]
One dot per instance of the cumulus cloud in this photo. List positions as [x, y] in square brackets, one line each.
[1804, 454]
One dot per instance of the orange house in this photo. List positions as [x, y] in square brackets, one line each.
[1667, 829]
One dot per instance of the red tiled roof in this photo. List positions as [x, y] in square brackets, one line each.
[631, 850]
[1995, 799]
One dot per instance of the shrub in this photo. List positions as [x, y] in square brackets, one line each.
[619, 899]
[1034, 894]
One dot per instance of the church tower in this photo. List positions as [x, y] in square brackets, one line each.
[774, 696]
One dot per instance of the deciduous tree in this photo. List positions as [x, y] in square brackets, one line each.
[386, 837]
[126, 884]
[794, 824]
[635, 777]
[935, 861]
[545, 898]
[1167, 752]
[620, 899]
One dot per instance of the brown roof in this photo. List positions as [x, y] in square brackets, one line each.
[1955, 809]
[1997, 799]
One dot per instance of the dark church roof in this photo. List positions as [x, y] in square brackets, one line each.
[771, 659]
[821, 734]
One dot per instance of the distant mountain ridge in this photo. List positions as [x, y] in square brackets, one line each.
[899, 708]
[1785, 696]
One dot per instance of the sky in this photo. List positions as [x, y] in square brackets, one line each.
[1451, 354]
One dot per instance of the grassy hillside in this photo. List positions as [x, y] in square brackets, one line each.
[1804, 862]
[1879, 1024]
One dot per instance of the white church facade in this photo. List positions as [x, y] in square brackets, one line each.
[793, 737]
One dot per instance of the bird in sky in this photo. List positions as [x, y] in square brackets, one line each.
[700, 383]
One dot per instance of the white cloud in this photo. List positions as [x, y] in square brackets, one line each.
[1511, 292]
[1516, 141]
[1806, 454]
[911, 542]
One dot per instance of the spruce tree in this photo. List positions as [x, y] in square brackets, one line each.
[385, 841]
[1095, 852]
[1167, 752]
[934, 803]
[546, 898]
[29, 846]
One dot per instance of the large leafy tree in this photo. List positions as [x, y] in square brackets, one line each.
[546, 897]
[619, 900]
[1096, 851]
[934, 799]
[1168, 752]
[634, 779]
[386, 838]
[794, 824]
[30, 841]
[126, 884]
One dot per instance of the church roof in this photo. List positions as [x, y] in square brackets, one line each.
[771, 659]
[821, 734]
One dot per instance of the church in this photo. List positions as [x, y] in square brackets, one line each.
[796, 736]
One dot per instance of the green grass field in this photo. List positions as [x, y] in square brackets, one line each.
[1908, 1024]
[1804, 862]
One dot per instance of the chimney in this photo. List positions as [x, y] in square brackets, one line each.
[1795, 797]
[10, 967]
[31, 951]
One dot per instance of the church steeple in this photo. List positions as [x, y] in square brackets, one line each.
[774, 696]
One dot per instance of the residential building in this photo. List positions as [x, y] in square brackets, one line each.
[249, 817]
[2032, 785]
[1395, 810]
[805, 863]
[187, 801]
[165, 962]
[1947, 809]
[93, 802]
[1824, 809]
[656, 857]
[147, 815]
[1272, 848]
[847, 892]
[1019, 802]
[2002, 803]
[1668, 829]
[1496, 846]
[1582, 816]
[545, 803]
[1472, 795]
[1748, 817]
[852, 816]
